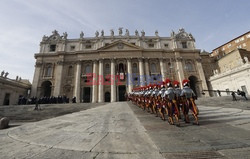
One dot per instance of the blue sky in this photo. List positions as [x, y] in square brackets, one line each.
[24, 22]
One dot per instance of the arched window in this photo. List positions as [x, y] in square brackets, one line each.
[87, 69]
[70, 71]
[121, 68]
[135, 68]
[189, 66]
[107, 69]
[170, 67]
[153, 68]
[48, 71]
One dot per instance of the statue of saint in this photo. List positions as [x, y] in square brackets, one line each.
[136, 33]
[6, 74]
[156, 33]
[120, 31]
[142, 33]
[112, 32]
[127, 32]
[2, 73]
[65, 35]
[81, 35]
[102, 33]
[96, 34]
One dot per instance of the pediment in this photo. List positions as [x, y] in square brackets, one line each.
[119, 46]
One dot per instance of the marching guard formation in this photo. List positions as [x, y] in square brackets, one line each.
[167, 99]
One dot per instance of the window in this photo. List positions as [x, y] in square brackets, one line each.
[166, 45]
[184, 45]
[238, 40]
[241, 39]
[133, 43]
[87, 69]
[48, 71]
[248, 35]
[72, 48]
[88, 46]
[189, 66]
[135, 68]
[106, 44]
[153, 68]
[70, 71]
[52, 48]
[107, 69]
[229, 45]
[151, 45]
[223, 49]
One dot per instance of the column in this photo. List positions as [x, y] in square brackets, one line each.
[129, 76]
[148, 79]
[100, 91]
[202, 76]
[36, 79]
[141, 72]
[95, 82]
[163, 69]
[113, 82]
[77, 82]
[179, 67]
[58, 78]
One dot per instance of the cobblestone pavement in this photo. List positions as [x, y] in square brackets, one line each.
[122, 130]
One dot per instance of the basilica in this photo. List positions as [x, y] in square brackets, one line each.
[105, 67]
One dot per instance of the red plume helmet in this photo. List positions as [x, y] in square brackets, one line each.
[167, 82]
[176, 83]
[184, 82]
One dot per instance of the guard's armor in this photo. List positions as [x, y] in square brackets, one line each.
[161, 92]
[177, 92]
[169, 93]
[187, 92]
[154, 92]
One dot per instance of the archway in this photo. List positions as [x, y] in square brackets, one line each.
[46, 89]
[107, 97]
[122, 92]
[193, 84]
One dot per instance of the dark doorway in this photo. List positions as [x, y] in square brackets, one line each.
[107, 97]
[46, 89]
[193, 82]
[122, 91]
[86, 95]
[6, 99]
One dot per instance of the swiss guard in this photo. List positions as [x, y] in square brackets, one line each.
[172, 108]
[189, 96]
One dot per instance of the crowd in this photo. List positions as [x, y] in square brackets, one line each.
[167, 98]
[45, 100]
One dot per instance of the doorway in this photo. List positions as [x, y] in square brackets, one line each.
[193, 84]
[86, 95]
[107, 97]
[122, 91]
[46, 89]
[6, 99]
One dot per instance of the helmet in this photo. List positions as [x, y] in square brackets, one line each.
[185, 82]
[176, 84]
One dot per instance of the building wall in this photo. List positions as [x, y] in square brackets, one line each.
[174, 57]
[14, 88]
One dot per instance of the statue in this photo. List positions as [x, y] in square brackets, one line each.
[65, 35]
[136, 33]
[127, 32]
[172, 33]
[20, 79]
[102, 33]
[120, 31]
[156, 33]
[44, 38]
[142, 33]
[112, 32]
[2, 73]
[96, 34]
[190, 36]
[246, 59]
[54, 32]
[16, 78]
[6, 74]
[81, 35]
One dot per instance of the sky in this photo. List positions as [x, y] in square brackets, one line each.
[24, 22]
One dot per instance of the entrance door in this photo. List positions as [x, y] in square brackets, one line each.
[193, 84]
[86, 95]
[6, 99]
[107, 97]
[122, 91]
[46, 89]
[244, 89]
